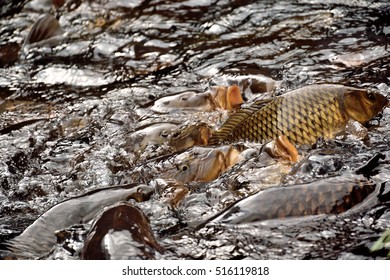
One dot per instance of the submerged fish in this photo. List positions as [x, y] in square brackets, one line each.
[200, 164]
[219, 97]
[327, 196]
[153, 134]
[303, 115]
[121, 231]
[45, 28]
[39, 238]
[178, 137]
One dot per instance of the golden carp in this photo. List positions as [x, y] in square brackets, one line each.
[201, 164]
[303, 115]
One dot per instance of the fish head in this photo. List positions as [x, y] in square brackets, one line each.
[185, 100]
[204, 164]
[154, 134]
[362, 105]
[171, 191]
[189, 136]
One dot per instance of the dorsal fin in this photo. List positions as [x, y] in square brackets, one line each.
[235, 120]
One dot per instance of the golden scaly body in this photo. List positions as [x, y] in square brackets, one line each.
[302, 115]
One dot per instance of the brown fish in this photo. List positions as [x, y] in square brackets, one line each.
[120, 231]
[38, 239]
[44, 28]
[199, 164]
[327, 196]
[203, 164]
[186, 137]
[226, 98]
[303, 115]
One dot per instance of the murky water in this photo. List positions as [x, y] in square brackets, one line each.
[71, 114]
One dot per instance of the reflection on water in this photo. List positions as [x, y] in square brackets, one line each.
[72, 113]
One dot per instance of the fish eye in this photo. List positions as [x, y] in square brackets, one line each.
[184, 168]
[164, 134]
[370, 95]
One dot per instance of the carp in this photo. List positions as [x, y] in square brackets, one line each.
[189, 136]
[45, 31]
[121, 231]
[39, 238]
[327, 196]
[226, 98]
[200, 164]
[303, 115]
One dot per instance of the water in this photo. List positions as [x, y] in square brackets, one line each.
[68, 112]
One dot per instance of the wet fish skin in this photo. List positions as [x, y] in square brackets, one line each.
[186, 137]
[222, 97]
[328, 196]
[303, 115]
[200, 164]
[38, 239]
[120, 231]
[153, 134]
[44, 28]
[203, 164]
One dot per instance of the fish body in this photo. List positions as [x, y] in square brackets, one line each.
[45, 28]
[121, 231]
[39, 238]
[303, 115]
[327, 196]
[197, 164]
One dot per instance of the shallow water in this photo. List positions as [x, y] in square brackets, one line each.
[68, 112]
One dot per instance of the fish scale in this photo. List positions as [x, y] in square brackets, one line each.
[332, 195]
[302, 115]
